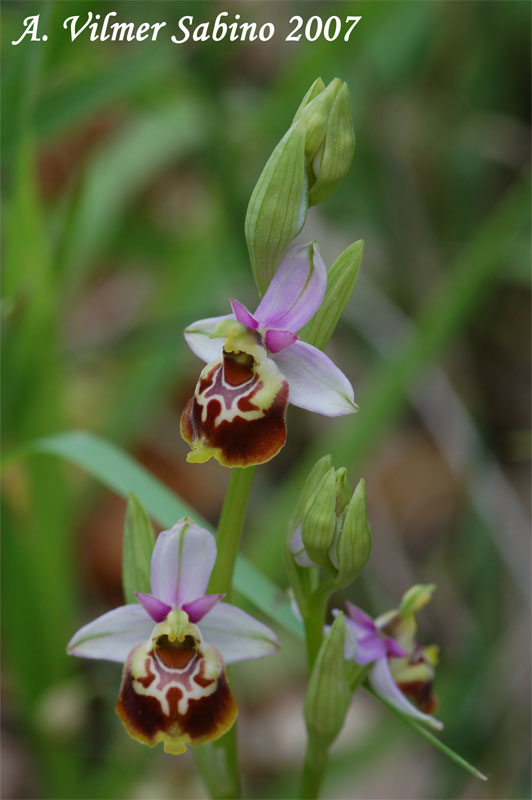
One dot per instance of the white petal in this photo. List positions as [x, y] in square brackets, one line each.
[182, 562]
[315, 382]
[237, 635]
[297, 548]
[381, 679]
[198, 338]
[113, 635]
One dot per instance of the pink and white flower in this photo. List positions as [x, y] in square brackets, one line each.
[256, 364]
[175, 643]
[401, 668]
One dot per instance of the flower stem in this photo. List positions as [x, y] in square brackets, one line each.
[230, 529]
[218, 760]
[313, 769]
[315, 621]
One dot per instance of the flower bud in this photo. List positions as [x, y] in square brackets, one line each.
[343, 490]
[330, 141]
[305, 168]
[328, 694]
[319, 520]
[314, 478]
[354, 541]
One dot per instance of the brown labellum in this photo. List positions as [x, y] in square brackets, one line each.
[237, 414]
[177, 693]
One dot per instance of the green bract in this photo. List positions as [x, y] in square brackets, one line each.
[341, 281]
[328, 694]
[137, 549]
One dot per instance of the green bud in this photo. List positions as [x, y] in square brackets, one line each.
[333, 159]
[319, 520]
[340, 284]
[305, 168]
[314, 115]
[317, 87]
[415, 599]
[314, 478]
[343, 490]
[354, 542]
[278, 206]
[328, 694]
[299, 577]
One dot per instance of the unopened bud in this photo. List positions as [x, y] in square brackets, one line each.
[314, 478]
[319, 521]
[343, 490]
[328, 694]
[333, 159]
[354, 542]
[305, 168]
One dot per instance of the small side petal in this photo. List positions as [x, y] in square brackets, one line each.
[243, 315]
[182, 562]
[296, 290]
[394, 649]
[315, 382]
[153, 606]
[237, 635]
[198, 337]
[197, 609]
[277, 340]
[113, 635]
[381, 679]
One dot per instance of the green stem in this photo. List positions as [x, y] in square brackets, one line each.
[313, 769]
[315, 621]
[230, 529]
[218, 760]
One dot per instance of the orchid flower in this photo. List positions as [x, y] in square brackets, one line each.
[256, 364]
[401, 668]
[175, 643]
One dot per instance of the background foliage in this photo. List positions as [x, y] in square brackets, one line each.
[127, 173]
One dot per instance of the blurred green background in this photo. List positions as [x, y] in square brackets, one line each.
[127, 171]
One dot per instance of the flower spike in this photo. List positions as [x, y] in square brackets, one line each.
[175, 644]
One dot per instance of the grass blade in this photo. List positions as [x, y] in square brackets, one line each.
[419, 728]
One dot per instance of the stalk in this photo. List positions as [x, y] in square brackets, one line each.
[315, 621]
[313, 769]
[230, 529]
[218, 760]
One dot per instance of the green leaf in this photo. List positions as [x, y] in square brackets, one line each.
[419, 728]
[139, 540]
[119, 472]
[137, 153]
